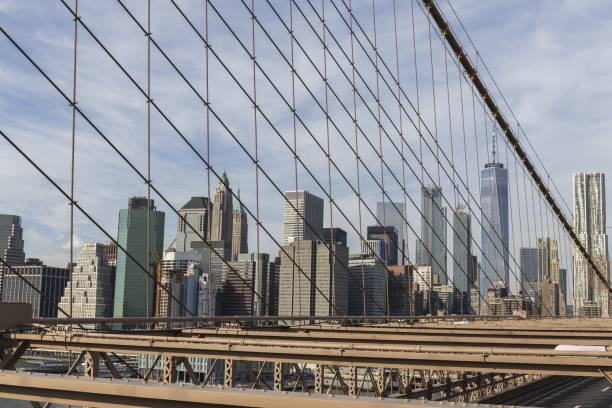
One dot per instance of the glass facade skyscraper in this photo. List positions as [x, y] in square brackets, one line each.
[431, 248]
[393, 214]
[495, 232]
[134, 289]
[463, 279]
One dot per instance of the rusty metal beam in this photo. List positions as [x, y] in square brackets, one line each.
[214, 320]
[107, 393]
[473, 75]
[527, 339]
[8, 362]
[485, 359]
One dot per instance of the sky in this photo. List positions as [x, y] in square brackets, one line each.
[549, 58]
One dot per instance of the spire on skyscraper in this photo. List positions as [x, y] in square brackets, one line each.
[494, 141]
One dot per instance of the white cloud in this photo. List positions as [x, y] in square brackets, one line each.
[549, 58]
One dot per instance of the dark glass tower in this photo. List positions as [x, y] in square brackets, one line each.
[495, 236]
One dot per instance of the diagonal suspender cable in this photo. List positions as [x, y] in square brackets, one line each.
[348, 24]
[512, 138]
[336, 96]
[371, 145]
[429, 132]
[497, 87]
[362, 132]
[289, 105]
[23, 278]
[123, 157]
[74, 203]
[180, 134]
[384, 64]
[219, 119]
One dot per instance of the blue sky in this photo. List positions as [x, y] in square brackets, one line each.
[550, 58]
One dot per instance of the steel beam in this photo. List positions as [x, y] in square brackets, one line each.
[108, 393]
[491, 359]
[452, 337]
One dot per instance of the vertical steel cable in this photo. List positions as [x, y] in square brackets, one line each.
[72, 150]
[450, 127]
[418, 99]
[148, 240]
[381, 156]
[295, 149]
[402, 142]
[464, 133]
[518, 206]
[535, 228]
[372, 61]
[418, 112]
[510, 208]
[433, 94]
[470, 285]
[371, 145]
[371, 112]
[208, 233]
[391, 75]
[255, 134]
[332, 262]
[352, 34]
[476, 138]
[557, 239]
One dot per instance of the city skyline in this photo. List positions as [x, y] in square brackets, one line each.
[197, 206]
[51, 219]
[261, 203]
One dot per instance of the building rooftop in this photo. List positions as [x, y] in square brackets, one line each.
[196, 203]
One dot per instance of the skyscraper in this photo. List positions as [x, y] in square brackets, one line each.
[134, 289]
[180, 275]
[590, 226]
[431, 248]
[240, 230]
[263, 280]
[563, 283]
[321, 287]
[399, 288]
[308, 207]
[462, 250]
[373, 290]
[548, 259]
[11, 242]
[197, 214]
[495, 233]
[48, 280]
[334, 235]
[393, 214]
[93, 284]
[530, 275]
[388, 235]
[222, 212]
